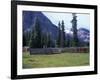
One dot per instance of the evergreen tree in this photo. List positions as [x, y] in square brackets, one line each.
[46, 40]
[38, 34]
[68, 41]
[32, 38]
[24, 40]
[35, 40]
[43, 40]
[27, 36]
[49, 40]
[63, 35]
[74, 26]
[59, 35]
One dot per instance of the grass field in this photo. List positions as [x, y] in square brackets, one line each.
[55, 60]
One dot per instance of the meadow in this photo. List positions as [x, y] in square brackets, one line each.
[55, 60]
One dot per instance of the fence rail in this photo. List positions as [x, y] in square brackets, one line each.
[57, 50]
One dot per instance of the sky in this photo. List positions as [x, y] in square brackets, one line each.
[83, 20]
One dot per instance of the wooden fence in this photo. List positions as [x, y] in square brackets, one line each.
[59, 50]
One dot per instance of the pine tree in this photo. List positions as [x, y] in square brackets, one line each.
[68, 41]
[46, 40]
[32, 37]
[24, 40]
[27, 37]
[35, 40]
[74, 26]
[43, 40]
[63, 34]
[49, 40]
[59, 35]
[38, 32]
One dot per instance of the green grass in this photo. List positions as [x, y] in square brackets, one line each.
[55, 60]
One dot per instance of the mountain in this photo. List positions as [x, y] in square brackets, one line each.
[84, 34]
[46, 25]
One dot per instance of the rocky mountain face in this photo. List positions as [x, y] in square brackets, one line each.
[46, 25]
[84, 34]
